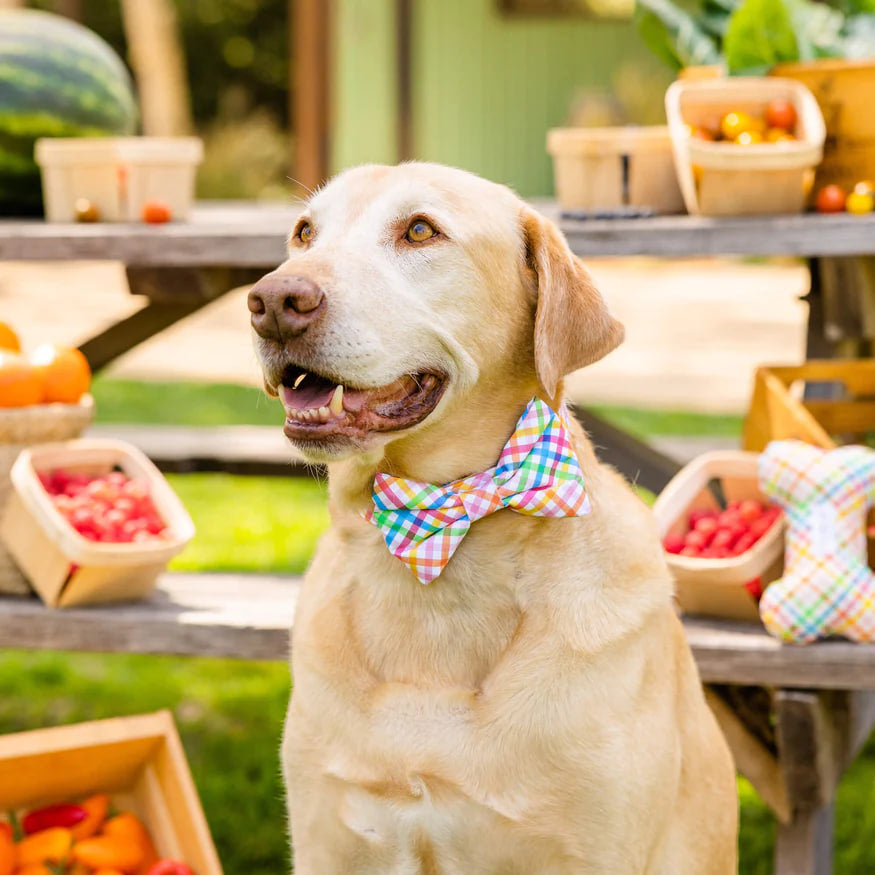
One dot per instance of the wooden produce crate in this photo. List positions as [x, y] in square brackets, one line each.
[139, 761]
[843, 89]
[615, 168]
[777, 412]
[716, 587]
[67, 569]
[725, 179]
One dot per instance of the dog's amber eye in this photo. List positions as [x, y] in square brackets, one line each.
[305, 232]
[420, 231]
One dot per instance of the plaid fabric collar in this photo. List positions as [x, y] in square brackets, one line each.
[537, 474]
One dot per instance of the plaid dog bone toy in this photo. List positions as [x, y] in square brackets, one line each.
[827, 587]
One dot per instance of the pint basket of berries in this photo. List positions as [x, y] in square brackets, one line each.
[91, 521]
[724, 542]
[744, 145]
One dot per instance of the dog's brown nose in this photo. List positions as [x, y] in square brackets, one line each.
[283, 306]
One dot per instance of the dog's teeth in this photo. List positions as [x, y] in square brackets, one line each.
[300, 380]
[304, 415]
[293, 414]
[324, 414]
[336, 403]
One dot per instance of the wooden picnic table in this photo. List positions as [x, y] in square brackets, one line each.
[795, 717]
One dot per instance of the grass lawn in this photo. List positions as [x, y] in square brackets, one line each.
[230, 713]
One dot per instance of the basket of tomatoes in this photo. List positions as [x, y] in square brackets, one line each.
[744, 145]
[43, 397]
[723, 540]
[91, 521]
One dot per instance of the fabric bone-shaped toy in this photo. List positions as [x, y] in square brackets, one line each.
[827, 587]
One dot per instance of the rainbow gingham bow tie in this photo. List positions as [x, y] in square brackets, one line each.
[537, 474]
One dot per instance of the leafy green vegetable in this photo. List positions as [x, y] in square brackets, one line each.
[818, 29]
[751, 36]
[859, 36]
[674, 35]
[760, 34]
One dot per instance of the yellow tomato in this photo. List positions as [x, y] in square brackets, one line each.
[735, 123]
[778, 135]
[865, 186]
[860, 202]
[749, 138]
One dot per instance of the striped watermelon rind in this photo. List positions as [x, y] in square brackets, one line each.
[57, 79]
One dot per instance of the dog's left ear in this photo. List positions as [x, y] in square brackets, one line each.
[573, 327]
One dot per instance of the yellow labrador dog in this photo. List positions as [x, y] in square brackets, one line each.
[535, 709]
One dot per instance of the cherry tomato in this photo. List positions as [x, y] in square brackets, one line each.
[749, 138]
[781, 114]
[831, 199]
[169, 867]
[700, 133]
[860, 202]
[735, 123]
[779, 135]
[156, 212]
[85, 211]
[865, 186]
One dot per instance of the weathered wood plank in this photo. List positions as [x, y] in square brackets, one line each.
[222, 615]
[249, 235]
[248, 616]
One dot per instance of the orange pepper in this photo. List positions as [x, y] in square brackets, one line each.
[97, 808]
[49, 846]
[109, 872]
[109, 852]
[128, 825]
[34, 869]
[7, 849]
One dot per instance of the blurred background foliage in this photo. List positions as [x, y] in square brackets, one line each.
[238, 61]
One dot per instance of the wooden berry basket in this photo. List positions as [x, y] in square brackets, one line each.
[715, 587]
[67, 569]
[23, 427]
[138, 760]
[724, 179]
[614, 168]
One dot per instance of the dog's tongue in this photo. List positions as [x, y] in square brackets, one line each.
[313, 391]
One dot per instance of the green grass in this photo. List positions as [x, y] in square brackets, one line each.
[230, 713]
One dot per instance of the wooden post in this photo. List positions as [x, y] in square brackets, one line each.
[158, 60]
[310, 89]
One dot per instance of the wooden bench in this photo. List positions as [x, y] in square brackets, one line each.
[795, 717]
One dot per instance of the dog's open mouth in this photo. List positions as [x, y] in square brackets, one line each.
[318, 408]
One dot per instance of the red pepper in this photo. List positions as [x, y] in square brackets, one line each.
[66, 816]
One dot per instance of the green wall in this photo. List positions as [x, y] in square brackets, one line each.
[363, 107]
[486, 87]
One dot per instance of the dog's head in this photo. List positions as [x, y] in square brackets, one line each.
[413, 291]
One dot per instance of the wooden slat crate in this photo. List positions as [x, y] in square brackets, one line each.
[138, 760]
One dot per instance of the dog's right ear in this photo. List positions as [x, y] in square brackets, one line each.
[573, 327]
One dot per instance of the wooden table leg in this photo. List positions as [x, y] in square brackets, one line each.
[819, 734]
[173, 294]
[805, 845]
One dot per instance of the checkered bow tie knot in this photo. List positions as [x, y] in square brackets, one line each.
[537, 474]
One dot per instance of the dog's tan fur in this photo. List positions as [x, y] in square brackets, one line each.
[536, 709]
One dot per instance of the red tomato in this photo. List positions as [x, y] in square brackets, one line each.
[750, 511]
[156, 212]
[695, 539]
[781, 114]
[690, 551]
[673, 543]
[169, 867]
[831, 199]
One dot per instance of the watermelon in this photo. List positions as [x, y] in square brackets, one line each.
[57, 79]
